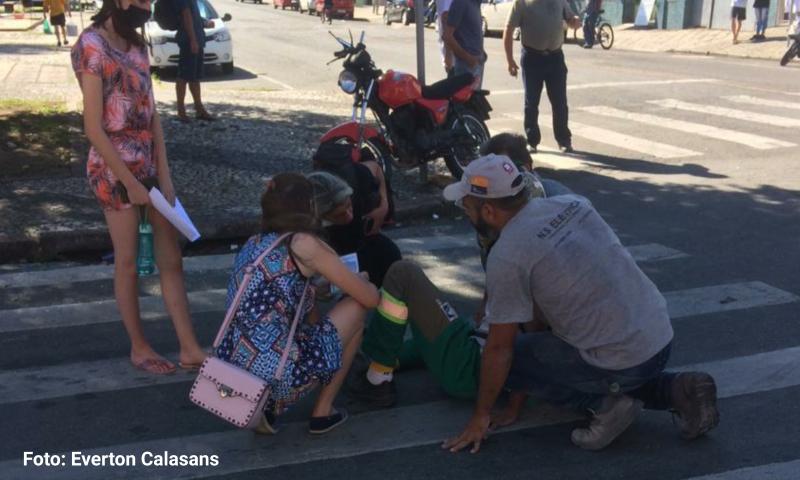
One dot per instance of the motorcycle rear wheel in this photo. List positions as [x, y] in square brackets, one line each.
[462, 154]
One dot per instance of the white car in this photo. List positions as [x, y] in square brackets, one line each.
[495, 14]
[218, 49]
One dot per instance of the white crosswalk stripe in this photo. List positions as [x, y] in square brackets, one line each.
[620, 140]
[763, 102]
[745, 116]
[771, 471]
[743, 138]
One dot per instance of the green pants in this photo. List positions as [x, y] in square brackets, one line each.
[441, 337]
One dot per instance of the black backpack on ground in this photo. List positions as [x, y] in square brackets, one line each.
[166, 15]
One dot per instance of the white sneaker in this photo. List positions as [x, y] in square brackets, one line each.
[613, 418]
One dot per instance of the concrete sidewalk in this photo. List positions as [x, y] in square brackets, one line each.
[701, 41]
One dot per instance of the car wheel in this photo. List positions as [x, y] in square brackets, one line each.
[386, 20]
[349, 16]
[227, 68]
[404, 18]
[310, 11]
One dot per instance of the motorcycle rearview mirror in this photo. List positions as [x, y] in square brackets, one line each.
[362, 37]
[341, 42]
[350, 32]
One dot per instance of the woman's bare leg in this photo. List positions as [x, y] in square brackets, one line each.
[348, 318]
[123, 227]
[173, 289]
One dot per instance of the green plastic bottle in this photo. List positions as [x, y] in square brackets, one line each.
[145, 263]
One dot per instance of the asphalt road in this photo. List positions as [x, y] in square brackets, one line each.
[691, 159]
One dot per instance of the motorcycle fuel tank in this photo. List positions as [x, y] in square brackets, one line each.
[396, 89]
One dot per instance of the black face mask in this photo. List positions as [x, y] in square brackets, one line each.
[134, 16]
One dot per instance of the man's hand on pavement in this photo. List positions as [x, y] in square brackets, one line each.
[476, 432]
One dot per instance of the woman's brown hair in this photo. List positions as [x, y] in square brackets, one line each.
[287, 205]
[110, 9]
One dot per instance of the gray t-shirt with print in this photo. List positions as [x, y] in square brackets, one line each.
[560, 252]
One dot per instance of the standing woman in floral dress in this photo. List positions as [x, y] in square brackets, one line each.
[111, 63]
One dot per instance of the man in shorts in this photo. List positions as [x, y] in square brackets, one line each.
[738, 15]
[191, 41]
[57, 10]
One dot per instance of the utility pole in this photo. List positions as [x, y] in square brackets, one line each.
[419, 22]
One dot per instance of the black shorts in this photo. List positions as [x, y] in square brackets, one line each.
[58, 20]
[739, 13]
[190, 66]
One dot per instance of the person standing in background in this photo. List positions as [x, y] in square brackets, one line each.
[57, 9]
[464, 37]
[738, 15]
[191, 39]
[592, 12]
[761, 8]
[541, 23]
[442, 8]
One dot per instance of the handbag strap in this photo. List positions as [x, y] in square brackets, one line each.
[248, 275]
[292, 330]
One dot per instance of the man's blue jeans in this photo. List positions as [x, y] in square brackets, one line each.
[550, 369]
[539, 70]
[588, 26]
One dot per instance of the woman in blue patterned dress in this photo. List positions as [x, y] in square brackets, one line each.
[323, 348]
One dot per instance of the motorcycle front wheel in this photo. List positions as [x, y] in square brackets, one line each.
[376, 149]
[471, 133]
[790, 54]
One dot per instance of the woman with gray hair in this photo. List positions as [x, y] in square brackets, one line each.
[341, 210]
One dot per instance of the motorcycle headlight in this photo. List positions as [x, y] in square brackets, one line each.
[158, 40]
[222, 36]
[348, 82]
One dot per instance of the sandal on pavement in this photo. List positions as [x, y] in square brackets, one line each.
[205, 117]
[321, 425]
[267, 425]
[151, 366]
[190, 367]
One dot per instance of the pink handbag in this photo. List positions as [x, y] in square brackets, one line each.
[228, 391]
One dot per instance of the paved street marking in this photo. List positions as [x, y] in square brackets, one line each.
[640, 83]
[763, 102]
[723, 298]
[772, 471]
[101, 311]
[117, 374]
[745, 116]
[626, 142]
[417, 425]
[224, 262]
[753, 141]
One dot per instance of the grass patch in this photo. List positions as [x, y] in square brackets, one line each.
[36, 138]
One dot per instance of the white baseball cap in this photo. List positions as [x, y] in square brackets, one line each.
[492, 176]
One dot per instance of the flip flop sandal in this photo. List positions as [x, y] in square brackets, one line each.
[150, 364]
[190, 367]
[267, 425]
[321, 425]
[206, 118]
[184, 118]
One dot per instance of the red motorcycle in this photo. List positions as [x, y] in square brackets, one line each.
[414, 123]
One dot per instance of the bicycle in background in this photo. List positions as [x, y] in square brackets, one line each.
[603, 33]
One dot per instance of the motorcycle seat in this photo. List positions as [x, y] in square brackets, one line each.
[445, 89]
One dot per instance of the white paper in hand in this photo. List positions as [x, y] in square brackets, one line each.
[176, 215]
